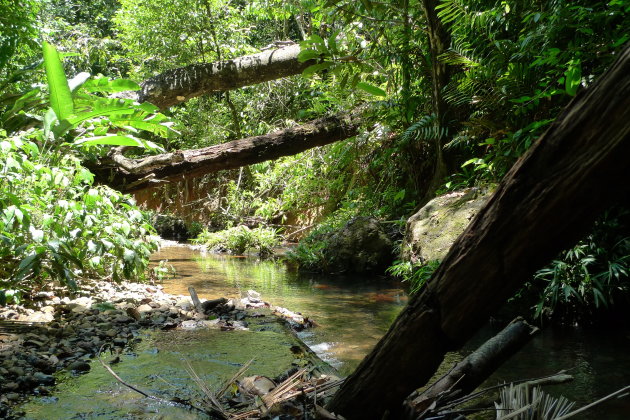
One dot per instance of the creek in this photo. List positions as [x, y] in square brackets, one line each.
[352, 313]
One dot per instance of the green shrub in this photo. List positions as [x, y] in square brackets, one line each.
[592, 275]
[415, 274]
[240, 239]
[56, 226]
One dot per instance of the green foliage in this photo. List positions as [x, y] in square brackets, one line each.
[56, 226]
[172, 33]
[18, 30]
[60, 96]
[514, 66]
[163, 271]
[415, 274]
[240, 239]
[592, 275]
[78, 117]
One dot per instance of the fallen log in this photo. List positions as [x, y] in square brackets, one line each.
[468, 374]
[550, 197]
[135, 174]
[178, 85]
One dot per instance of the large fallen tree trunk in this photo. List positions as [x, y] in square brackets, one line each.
[547, 200]
[178, 85]
[133, 174]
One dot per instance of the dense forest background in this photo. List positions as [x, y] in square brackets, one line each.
[450, 94]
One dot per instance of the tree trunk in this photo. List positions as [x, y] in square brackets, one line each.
[468, 374]
[549, 198]
[135, 174]
[178, 85]
[439, 42]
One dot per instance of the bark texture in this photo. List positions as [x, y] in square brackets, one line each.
[134, 174]
[175, 86]
[545, 203]
[472, 371]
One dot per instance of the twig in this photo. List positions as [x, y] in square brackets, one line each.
[214, 404]
[145, 394]
[601, 400]
[238, 374]
[557, 378]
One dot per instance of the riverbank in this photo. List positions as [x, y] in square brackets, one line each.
[61, 332]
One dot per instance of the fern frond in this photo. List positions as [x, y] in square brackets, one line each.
[427, 128]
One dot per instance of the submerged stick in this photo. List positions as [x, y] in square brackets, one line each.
[146, 394]
[594, 403]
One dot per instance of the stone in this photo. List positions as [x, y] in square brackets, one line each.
[145, 308]
[10, 386]
[12, 396]
[433, 229]
[41, 390]
[79, 366]
[111, 333]
[16, 371]
[191, 324]
[123, 319]
[43, 379]
[185, 305]
[361, 246]
[40, 317]
[121, 342]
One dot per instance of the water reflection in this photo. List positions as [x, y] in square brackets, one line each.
[352, 312]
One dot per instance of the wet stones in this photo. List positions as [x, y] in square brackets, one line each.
[79, 366]
[105, 317]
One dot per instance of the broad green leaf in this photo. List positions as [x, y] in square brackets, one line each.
[147, 125]
[60, 95]
[371, 89]
[310, 70]
[121, 85]
[332, 42]
[573, 77]
[102, 108]
[306, 55]
[105, 85]
[110, 141]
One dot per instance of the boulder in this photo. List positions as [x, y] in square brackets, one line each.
[361, 246]
[170, 227]
[433, 229]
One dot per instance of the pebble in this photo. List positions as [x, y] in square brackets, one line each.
[76, 329]
[79, 366]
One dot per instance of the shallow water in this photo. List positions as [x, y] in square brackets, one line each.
[159, 365]
[352, 313]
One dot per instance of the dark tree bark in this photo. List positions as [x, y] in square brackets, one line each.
[471, 372]
[549, 198]
[134, 174]
[176, 86]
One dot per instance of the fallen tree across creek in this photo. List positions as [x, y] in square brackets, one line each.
[549, 198]
[134, 174]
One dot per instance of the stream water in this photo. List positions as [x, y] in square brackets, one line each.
[352, 313]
